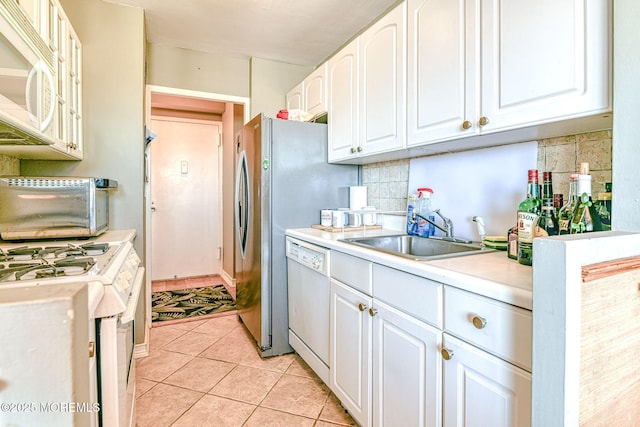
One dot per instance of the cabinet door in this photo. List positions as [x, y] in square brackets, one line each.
[74, 94]
[342, 103]
[315, 91]
[350, 350]
[382, 78]
[442, 82]
[407, 370]
[482, 390]
[295, 97]
[543, 61]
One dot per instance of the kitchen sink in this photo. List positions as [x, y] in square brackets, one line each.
[418, 248]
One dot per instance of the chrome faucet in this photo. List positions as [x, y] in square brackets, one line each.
[448, 224]
[446, 228]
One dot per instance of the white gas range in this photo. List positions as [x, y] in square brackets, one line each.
[110, 268]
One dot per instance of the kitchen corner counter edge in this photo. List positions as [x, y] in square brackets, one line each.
[490, 274]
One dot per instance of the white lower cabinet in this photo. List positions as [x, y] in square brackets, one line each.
[408, 351]
[350, 350]
[407, 380]
[482, 390]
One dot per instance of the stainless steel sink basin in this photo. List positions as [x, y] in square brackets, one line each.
[418, 248]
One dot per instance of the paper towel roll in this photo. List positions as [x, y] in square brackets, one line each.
[357, 197]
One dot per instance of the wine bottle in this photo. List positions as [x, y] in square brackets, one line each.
[547, 223]
[528, 212]
[585, 216]
[566, 212]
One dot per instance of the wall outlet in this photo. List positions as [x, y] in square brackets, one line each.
[184, 167]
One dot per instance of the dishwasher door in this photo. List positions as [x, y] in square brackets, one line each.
[308, 291]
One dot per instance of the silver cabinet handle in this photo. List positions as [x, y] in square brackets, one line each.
[479, 322]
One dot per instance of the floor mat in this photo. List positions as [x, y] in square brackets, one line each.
[190, 303]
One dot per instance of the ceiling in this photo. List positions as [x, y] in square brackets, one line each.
[302, 32]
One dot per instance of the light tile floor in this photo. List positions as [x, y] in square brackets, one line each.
[208, 373]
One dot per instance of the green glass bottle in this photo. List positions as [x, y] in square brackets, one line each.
[528, 213]
[547, 222]
[566, 212]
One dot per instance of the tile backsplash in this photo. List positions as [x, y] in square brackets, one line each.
[9, 165]
[387, 182]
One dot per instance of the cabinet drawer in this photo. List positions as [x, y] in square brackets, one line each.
[414, 295]
[501, 329]
[352, 271]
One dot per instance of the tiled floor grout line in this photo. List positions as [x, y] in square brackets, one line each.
[281, 371]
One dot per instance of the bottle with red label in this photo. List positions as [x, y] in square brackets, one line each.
[528, 213]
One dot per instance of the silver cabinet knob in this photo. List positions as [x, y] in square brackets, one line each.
[479, 322]
[353, 150]
[359, 149]
[446, 353]
[362, 307]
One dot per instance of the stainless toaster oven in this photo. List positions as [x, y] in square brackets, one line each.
[53, 207]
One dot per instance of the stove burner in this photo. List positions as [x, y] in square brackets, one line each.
[64, 267]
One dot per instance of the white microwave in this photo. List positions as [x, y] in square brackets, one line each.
[27, 85]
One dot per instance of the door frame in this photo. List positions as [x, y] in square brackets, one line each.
[155, 89]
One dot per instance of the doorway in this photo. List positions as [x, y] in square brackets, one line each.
[169, 107]
[186, 214]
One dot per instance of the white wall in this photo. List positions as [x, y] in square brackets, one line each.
[270, 82]
[626, 107]
[113, 42]
[205, 72]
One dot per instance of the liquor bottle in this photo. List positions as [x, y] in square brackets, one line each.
[512, 243]
[566, 211]
[604, 207]
[547, 186]
[558, 202]
[547, 223]
[528, 212]
[585, 214]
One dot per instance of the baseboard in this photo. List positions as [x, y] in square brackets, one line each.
[142, 349]
[228, 279]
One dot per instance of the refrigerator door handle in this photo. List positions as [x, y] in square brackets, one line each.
[242, 199]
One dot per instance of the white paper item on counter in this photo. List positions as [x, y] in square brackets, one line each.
[357, 197]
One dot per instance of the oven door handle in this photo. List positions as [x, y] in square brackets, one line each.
[130, 312]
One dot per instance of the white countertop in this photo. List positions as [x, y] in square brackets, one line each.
[491, 274]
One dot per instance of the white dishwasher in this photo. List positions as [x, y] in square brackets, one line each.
[308, 290]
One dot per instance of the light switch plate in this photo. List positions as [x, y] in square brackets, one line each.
[184, 167]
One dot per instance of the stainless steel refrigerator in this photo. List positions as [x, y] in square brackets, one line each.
[283, 180]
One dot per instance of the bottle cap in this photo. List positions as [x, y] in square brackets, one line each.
[533, 175]
[546, 176]
[425, 192]
[584, 168]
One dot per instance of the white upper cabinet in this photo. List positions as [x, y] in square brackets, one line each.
[315, 91]
[295, 97]
[478, 67]
[40, 32]
[366, 94]
[440, 93]
[310, 95]
[342, 103]
[381, 84]
[544, 60]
